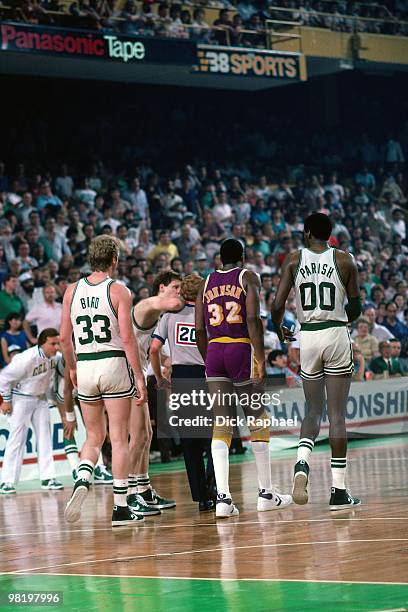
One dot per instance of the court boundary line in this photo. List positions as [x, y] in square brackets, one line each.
[200, 551]
[306, 580]
[193, 525]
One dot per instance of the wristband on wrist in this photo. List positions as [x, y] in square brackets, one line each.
[70, 416]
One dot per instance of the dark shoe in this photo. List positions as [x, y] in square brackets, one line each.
[207, 505]
[300, 479]
[122, 515]
[341, 499]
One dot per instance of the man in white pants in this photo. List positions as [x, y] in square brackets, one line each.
[24, 384]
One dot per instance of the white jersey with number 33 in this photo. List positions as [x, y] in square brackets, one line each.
[94, 321]
[320, 292]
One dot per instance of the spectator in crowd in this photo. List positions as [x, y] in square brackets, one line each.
[12, 336]
[359, 364]
[366, 343]
[278, 367]
[164, 245]
[9, 300]
[397, 329]
[385, 366]
[64, 184]
[47, 198]
[55, 245]
[43, 314]
[396, 353]
[378, 331]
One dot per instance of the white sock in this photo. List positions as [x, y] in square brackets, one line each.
[100, 462]
[132, 484]
[305, 447]
[71, 451]
[143, 483]
[220, 456]
[263, 464]
[338, 470]
[120, 489]
[85, 470]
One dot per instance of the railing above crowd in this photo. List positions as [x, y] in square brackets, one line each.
[244, 25]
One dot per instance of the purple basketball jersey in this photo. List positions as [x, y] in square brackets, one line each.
[224, 305]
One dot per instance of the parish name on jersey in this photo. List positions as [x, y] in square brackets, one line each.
[216, 292]
[317, 268]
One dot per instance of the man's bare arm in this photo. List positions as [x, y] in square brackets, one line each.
[252, 286]
[201, 332]
[66, 334]
[122, 303]
[285, 285]
[349, 275]
[147, 311]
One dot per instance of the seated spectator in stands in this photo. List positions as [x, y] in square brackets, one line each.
[385, 365]
[46, 197]
[132, 21]
[12, 335]
[364, 341]
[398, 225]
[366, 178]
[26, 207]
[41, 315]
[64, 184]
[396, 352]
[359, 364]
[86, 15]
[164, 245]
[176, 28]
[277, 365]
[223, 27]
[283, 193]
[378, 331]
[399, 330]
[26, 262]
[9, 300]
[54, 244]
[201, 31]
[335, 188]
[138, 200]
[163, 19]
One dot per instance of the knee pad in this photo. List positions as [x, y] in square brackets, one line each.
[224, 433]
[259, 430]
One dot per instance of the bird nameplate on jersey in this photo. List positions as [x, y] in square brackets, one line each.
[185, 334]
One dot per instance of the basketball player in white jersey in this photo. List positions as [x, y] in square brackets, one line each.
[96, 310]
[142, 498]
[323, 278]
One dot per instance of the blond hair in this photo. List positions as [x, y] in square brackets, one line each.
[190, 286]
[102, 252]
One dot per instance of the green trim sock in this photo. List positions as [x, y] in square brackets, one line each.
[120, 490]
[338, 470]
[71, 451]
[85, 470]
[143, 483]
[305, 447]
[132, 484]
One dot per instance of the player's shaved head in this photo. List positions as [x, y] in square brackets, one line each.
[319, 226]
[231, 251]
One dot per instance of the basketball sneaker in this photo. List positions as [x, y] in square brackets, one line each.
[272, 501]
[341, 499]
[300, 480]
[123, 515]
[206, 505]
[73, 508]
[153, 499]
[102, 476]
[224, 507]
[7, 488]
[52, 485]
[139, 507]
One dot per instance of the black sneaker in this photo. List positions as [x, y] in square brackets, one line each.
[154, 500]
[138, 506]
[73, 508]
[341, 499]
[207, 505]
[300, 479]
[122, 515]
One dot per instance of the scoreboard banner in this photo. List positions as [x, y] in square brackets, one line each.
[235, 61]
[104, 46]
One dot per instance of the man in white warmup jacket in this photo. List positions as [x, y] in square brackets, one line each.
[24, 385]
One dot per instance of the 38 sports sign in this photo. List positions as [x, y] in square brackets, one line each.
[228, 61]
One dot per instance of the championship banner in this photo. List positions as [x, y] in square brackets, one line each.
[235, 61]
[109, 46]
